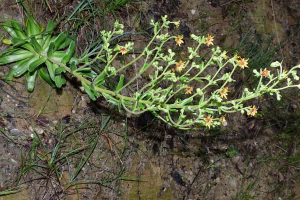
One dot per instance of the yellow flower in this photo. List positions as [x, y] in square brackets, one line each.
[189, 90]
[243, 63]
[209, 40]
[179, 40]
[180, 66]
[253, 111]
[224, 93]
[123, 50]
[265, 73]
[208, 121]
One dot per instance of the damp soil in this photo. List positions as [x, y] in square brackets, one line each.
[140, 157]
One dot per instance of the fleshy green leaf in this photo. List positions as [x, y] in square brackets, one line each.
[18, 42]
[22, 66]
[51, 69]
[6, 41]
[18, 29]
[45, 76]
[59, 80]
[30, 77]
[32, 67]
[67, 41]
[59, 40]
[59, 70]
[7, 27]
[32, 28]
[16, 56]
[36, 45]
[58, 55]
[50, 50]
[69, 53]
[50, 26]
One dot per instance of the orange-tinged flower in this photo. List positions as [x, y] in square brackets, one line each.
[179, 40]
[189, 90]
[265, 73]
[208, 121]
[209, 40]
[223, 120]
[224, 92]
[180, 66]
[123, 50]
[236, 57]
[253, 111]
[178, 24]
[243, 63]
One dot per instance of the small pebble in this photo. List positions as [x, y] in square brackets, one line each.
[15, 132]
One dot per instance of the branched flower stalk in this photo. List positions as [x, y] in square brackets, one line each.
[186, 94]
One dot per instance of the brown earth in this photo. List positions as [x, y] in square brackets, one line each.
[251, 158]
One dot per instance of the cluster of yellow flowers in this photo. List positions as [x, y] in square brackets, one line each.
[242, 63]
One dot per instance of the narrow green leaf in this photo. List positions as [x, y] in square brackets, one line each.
[127, 102]
[100, 78]
[102, 59]
[110, 99]
[88, 91]
[18, 55]
[90, 74]
[144, 68]
[30, 77]
[186, 101]
[183, 78]
[198, 79]
[18, 29]
[120, 84]
[95, 92]
[36, 45]
[32, 67]
[69, 53]
[45, 76]
[87, 69]
[99, 84]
